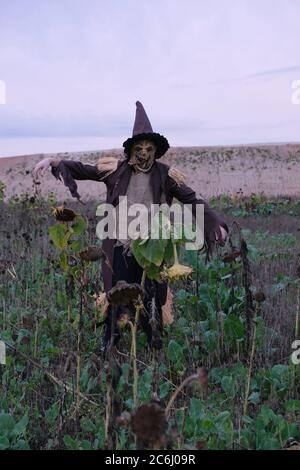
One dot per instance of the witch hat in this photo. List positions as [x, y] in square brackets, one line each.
[142, 130]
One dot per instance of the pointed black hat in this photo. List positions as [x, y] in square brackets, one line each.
[142, 129]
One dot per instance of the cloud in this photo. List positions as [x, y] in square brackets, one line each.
[272, 72]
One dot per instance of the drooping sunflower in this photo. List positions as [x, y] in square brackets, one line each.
[176, 273]
[63, 214]
[92, 253]
[149, 423]
[123, 293]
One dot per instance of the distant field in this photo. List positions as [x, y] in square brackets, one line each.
[273, 169]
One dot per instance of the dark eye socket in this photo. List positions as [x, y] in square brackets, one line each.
[138, 148]
[149, 148]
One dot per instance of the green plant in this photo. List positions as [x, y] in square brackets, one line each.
[2, 189]
[12, 433]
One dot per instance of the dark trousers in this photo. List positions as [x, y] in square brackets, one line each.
[126, 268]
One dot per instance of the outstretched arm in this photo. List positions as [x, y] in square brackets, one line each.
[70, 171]
[215, 227]
[43, 165]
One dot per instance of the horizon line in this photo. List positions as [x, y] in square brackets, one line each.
[114, 149]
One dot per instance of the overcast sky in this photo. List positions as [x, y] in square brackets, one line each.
[207, 72]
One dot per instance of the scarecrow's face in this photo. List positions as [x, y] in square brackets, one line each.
[143, 154]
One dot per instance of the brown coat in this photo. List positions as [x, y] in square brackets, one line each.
[117, 184]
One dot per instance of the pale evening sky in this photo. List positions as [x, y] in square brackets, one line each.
[208, 72]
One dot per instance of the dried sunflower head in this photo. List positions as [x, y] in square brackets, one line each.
[149, 423]
[176, 272]
[62, 214]
[123, 293]
[92, 253]
[260, 297]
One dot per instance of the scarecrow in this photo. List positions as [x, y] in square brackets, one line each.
[143, 179]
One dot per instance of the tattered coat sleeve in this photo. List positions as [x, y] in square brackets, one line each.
[212, 220]
[70, 171]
